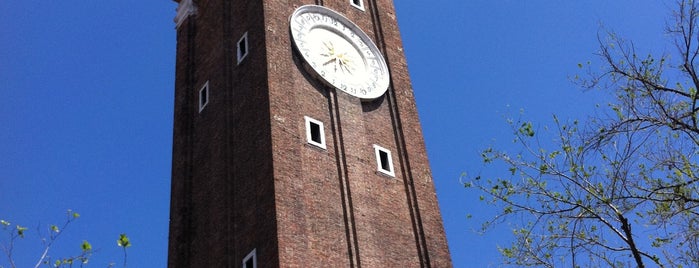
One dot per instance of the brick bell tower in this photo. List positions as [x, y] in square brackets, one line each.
[296, 139]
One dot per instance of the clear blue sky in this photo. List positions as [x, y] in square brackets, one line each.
[86, 94]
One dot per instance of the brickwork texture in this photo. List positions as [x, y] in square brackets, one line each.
[243, 176]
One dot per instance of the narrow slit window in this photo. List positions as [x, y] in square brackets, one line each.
[358, 4]
[384, 163]
[242, 47]
[204, 96]
[250, 261]
[315, 134]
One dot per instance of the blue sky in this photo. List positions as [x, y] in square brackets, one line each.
[87, 92]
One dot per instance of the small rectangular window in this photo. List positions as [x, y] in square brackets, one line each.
[315, 134]
[384, 163]
[250, 261]
[242, 47]
[358, 4]
[204, 96]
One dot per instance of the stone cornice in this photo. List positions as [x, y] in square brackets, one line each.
[184, 10]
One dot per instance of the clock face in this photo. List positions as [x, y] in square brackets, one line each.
[339, 52]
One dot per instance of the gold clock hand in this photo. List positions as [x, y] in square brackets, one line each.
[330, 47]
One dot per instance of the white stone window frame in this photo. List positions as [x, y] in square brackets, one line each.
[242, 54]
[378, 150]
[359, 4]
[309, 135]
[251, 256]
[204, 100]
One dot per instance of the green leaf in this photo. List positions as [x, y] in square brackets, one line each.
[508, 210]
[526, 129]
[507, 252]
[86, 246]
[20, 231]
[123, 241]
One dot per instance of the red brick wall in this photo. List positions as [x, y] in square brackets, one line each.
[244, 177]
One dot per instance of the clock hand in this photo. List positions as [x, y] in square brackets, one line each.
[330, 47]
[330, 61]
[345, 63]
[345, 68]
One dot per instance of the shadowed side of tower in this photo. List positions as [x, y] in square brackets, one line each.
[222, 201]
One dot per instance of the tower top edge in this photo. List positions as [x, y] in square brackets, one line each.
[185, 8]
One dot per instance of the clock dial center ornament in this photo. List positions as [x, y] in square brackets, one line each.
[338, 52]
